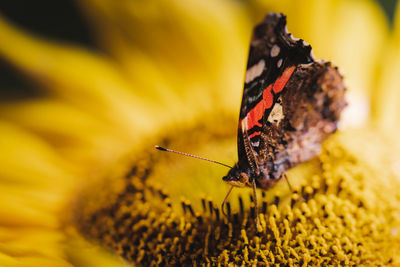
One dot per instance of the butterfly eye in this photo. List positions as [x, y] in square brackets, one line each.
[243, 178]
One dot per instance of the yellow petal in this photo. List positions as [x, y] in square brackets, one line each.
[25, 158]
[387, 91]
[82, 78]
[32, 261]
[200, 54]
[58, 122]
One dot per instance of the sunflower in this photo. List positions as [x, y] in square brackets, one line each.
[81, 183]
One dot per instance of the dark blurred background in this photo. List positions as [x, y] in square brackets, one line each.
[61, 20]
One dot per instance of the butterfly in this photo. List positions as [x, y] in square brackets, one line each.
[291, 103]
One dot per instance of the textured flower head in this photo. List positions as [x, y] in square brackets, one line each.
[80, 173]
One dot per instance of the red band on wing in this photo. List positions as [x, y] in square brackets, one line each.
[254, 134]
[283, 79]
[255, 114]
[268, 98]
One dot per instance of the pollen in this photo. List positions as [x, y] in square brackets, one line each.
[346, 213]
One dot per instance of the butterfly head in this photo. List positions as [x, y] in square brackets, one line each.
[240, 177]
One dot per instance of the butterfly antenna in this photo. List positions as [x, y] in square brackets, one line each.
[190, 155]
[225, 200]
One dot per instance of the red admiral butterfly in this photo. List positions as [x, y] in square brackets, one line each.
[291, 103]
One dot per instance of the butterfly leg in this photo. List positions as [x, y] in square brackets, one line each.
[258, 226]
[291, 188]
[251, 158]
[287, 180]
[225, 200]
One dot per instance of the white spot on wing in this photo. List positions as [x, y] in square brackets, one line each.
[276, 114]
[253, 98]
[294, 38]
[286, 29]
[274, 51]
[256, 144]
[279, 63]
[255, 71]
[312, 54]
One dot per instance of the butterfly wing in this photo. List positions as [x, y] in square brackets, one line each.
[273, 56]
[278, 68]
